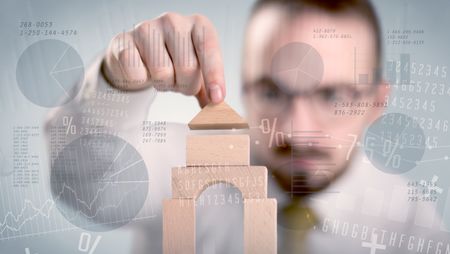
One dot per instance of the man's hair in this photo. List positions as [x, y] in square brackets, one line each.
[361, 8]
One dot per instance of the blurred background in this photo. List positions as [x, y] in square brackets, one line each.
[416, 45]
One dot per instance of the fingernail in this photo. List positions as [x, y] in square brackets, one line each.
[215, 93]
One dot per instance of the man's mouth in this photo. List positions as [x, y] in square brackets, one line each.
[302, 164]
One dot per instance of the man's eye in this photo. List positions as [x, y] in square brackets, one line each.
[272, 93]
[330, 95]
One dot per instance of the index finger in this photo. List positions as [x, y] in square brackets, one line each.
[206, 43]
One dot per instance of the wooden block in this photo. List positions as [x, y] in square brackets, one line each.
[189, 182]
[179, 226]
[219, 116]
[260, 226]
[218, 150]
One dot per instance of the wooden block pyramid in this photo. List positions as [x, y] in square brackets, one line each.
[212, 159]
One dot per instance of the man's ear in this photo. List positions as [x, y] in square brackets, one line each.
[382, 92]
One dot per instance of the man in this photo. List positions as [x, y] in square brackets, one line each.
[300, 61]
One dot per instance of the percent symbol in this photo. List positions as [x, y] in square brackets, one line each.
[84, 245]
[70, 128]
[394, 159]
[267, 128]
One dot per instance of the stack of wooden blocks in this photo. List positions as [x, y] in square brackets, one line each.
[212, 159]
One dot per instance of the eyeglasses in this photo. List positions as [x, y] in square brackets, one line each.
[333, 102]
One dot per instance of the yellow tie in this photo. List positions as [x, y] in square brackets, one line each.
[297, 220]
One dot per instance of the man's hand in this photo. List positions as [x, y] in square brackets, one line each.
[171, 53]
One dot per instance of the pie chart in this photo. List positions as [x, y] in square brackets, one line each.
[297, 66]
[49, 72]
[99, 182]
[395, 143]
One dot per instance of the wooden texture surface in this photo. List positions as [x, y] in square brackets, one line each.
[189, 182]
[179, 226]
[219, 116]
[260, 226]
[218, 150]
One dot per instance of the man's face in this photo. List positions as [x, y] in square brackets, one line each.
[304, 79]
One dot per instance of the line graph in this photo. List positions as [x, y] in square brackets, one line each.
[16, 218]
[98, 182]
[78, 186]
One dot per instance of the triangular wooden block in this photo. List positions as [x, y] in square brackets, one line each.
[217, 117]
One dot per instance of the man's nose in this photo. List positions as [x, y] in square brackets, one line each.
[301, 117]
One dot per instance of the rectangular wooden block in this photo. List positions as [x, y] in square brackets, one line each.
[189, 182]
[260, 226]
[218, 150]
[179, 226]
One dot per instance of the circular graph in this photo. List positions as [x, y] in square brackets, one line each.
[297, 66]
[394, 143]
[4, 166]
[48, 71]
[99, 182]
